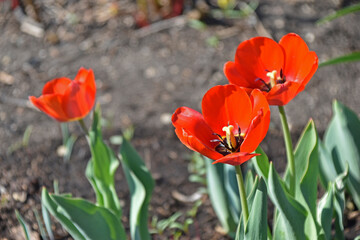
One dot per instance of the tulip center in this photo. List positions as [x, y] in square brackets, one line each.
[230, 142]
[268, 85]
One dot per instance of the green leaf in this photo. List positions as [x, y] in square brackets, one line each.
[40, 224]
[82, 219]
[165, 223]
[47, 221]
[342, 140]
[232, 190]
[240, 230]
[307, 169]
[351, 57]
[249, 182]
[52, 206]
[332, 205]
[339, 13]
[261, 164]
[141, 185]
[256, 227]
[251, 196]
[327, 168]
[23, 225]
[292, 212]
[101, 168]
[218, 195]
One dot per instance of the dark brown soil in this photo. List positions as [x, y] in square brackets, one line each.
[141, 80]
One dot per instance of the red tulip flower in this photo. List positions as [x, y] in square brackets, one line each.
[280, 70]
[67, 100]
[231, 127]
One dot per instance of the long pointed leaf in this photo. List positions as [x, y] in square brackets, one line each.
[332, 205]
[342, 139]
[101, 168]
[218, 195]
[240, 230]
[82, 219]
[261, 164]
[339, 13]
[293, 213]
[23, 225]
[141, 185]
[47, 221]
[351, 57]
[256, 227]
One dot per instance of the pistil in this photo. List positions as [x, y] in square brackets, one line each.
[272, 76]
[230, 137]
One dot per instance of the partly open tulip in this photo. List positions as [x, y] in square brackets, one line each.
[231, 127]
[281, 70]
[67, 100]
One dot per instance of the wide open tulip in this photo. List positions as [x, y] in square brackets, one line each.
[231, 127]
[280, 70]
[67, 100]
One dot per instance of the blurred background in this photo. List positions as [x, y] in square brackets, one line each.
[149, 58]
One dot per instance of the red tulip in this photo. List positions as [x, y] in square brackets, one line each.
[280, 70]
[232, 125]
[67, 100]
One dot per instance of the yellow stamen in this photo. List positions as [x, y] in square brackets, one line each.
[272, 76]
[230, 137]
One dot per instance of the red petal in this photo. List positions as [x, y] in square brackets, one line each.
[56, 86]
[86, 77]
[235, 77]
[312, 71]
[255, 57]
[300, 63]
[51, 104]
[259, 124]
[194, 144]
[281, 94]
[258, 101]
[226, 105]
[236, 158]
[194, 125]
[79, 98]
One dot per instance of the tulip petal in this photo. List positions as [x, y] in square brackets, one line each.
[87, 78]
[194, 144]
[79, 97]
[236, 158]
[310, 57]
[56, 86]
[226, 105]
[259, 124]
[235, 77]
[259, 102]
[51, 104]
[256, 57]
[194, 125]
[299, 61]
[282, 94]
[77, 101]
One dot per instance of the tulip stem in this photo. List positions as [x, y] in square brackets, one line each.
[242, 193]
[83, 126]
[289, 149]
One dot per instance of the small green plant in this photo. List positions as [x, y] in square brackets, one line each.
[23, 143]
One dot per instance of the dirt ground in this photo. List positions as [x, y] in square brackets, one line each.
[142, 76]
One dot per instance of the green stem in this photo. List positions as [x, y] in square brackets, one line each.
[242, 193]
[289, 149]
[83, 126]
[64, 132]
